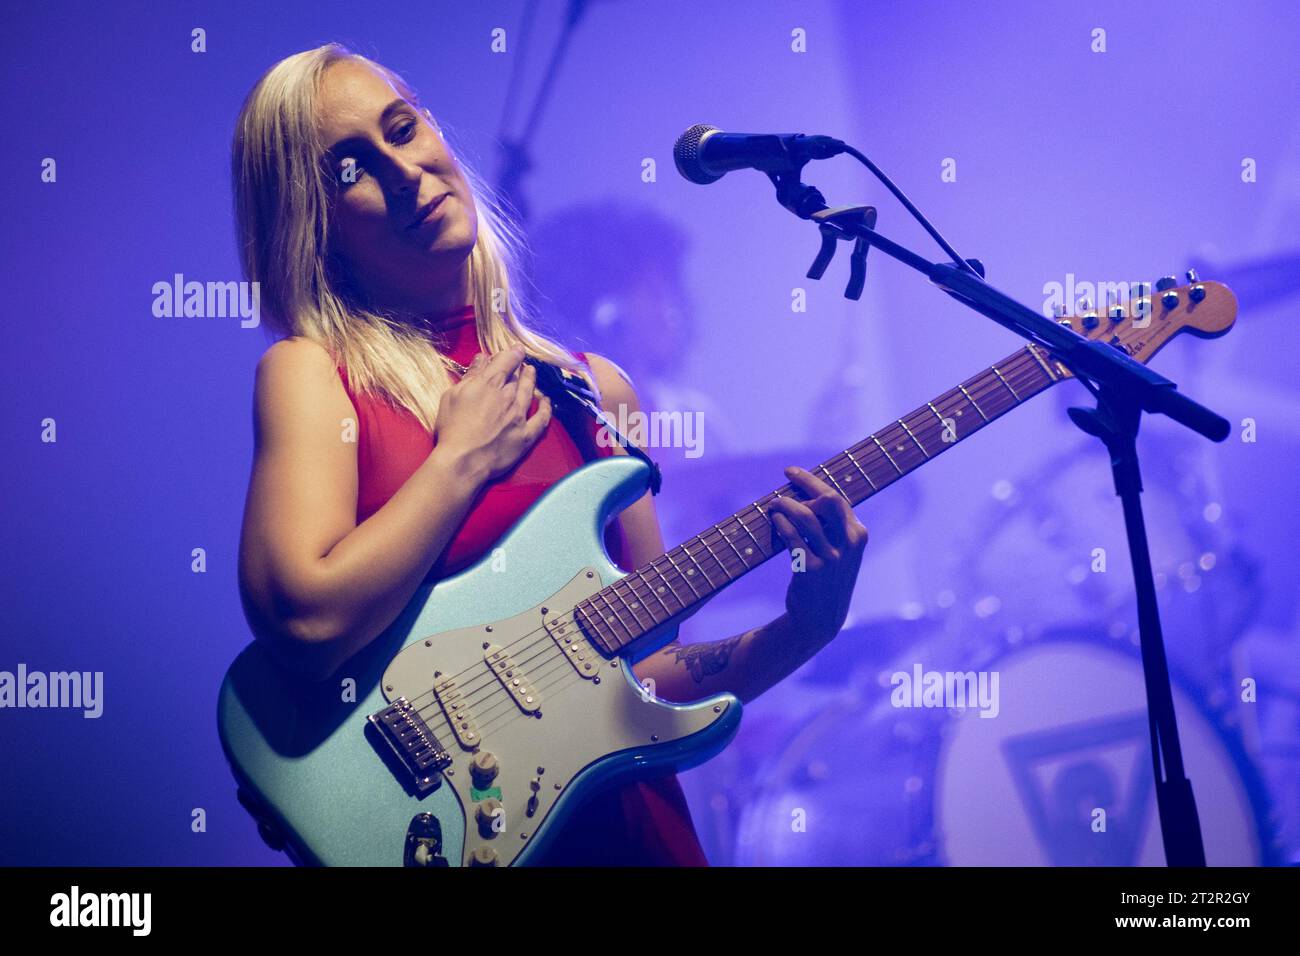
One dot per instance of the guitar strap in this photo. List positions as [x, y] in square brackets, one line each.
[573, 402]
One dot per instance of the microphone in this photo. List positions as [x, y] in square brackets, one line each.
[704, 154]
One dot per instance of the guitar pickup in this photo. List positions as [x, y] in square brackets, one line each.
[404, 730]
[458, 715]
[568, 635]
[512, 679]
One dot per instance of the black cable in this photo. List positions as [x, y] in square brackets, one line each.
[916, 213]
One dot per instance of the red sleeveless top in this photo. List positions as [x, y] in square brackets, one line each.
[646, 823]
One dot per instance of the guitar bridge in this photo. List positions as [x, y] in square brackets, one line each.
[413, 743]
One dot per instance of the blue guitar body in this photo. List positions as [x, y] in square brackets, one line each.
[474, 727]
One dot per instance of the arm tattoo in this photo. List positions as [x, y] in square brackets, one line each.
[703, 660]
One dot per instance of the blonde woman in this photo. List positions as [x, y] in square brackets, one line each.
[387, 273]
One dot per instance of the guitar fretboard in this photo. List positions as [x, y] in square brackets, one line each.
[678, 580]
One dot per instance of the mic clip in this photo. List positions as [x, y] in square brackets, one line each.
[828, 221]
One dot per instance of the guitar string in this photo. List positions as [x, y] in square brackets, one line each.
[639, 592]
[734, 524]
[994, 387]
[560, 661]
[499, 710]
[493, 684]
[472, 696]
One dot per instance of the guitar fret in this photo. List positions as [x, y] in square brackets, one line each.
[651, 586]
[741, 519]
[861, 469]
[617, 619]
[696, 562]
[725, 537]
[1046, 368]
[666, 583]
[913, 437]
[827, 473]
[633, 606]
[669, 556]
[1006, 383]
[714, 556]
[887, 454]
[974, 403]
[596, 620]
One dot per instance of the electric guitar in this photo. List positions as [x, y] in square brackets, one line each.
[470, 729]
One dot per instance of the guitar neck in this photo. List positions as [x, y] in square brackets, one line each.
[674, 583]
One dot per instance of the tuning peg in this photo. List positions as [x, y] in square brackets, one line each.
[1117, 313]
[1165, 283]
[1192, 277]
[1058, 311]
[1170, 298]
[1140, 300]
[1085, 304]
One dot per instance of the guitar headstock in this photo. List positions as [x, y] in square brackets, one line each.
[1151, 317]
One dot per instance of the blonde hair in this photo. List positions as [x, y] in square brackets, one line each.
[281, 200]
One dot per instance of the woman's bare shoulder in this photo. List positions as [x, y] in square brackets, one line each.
[295, 355]
[614, 383]
[297, 377]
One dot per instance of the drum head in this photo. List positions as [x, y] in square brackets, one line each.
[1062, 775]
[855, 780]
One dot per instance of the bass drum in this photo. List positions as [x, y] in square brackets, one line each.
[864, 783]
[1069, 753]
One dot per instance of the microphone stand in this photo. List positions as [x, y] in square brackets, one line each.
[515, 158]
[1124, 388]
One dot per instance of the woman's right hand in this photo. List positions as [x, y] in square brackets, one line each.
[484, 416]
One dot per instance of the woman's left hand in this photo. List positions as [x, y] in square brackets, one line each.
[832, 540]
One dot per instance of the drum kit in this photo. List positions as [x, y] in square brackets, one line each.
[834, 766]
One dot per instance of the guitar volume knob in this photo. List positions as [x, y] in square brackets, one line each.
[484, 768]
[483, 856]
[486, 814]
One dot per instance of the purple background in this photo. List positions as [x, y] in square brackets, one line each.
[1114, 166]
